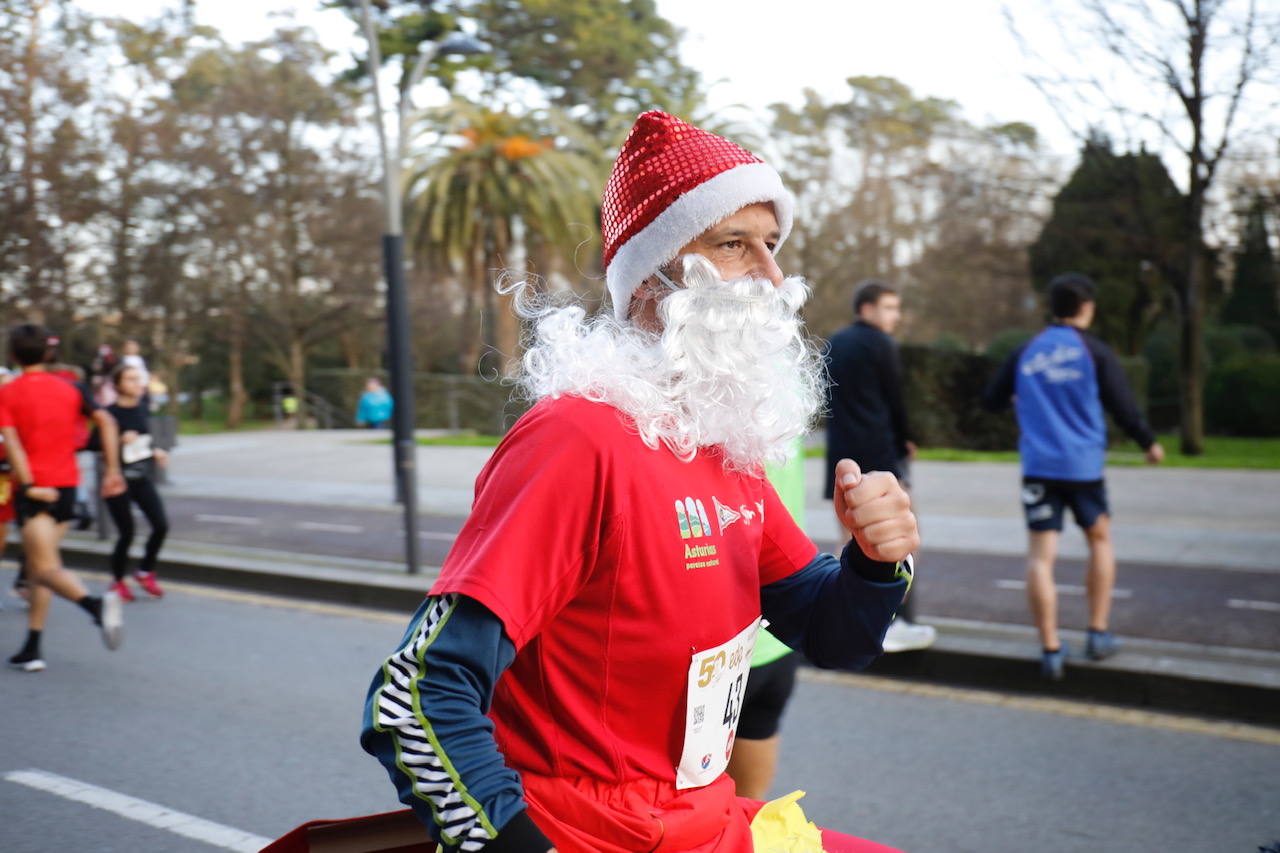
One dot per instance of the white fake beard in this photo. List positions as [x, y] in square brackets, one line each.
[732, 367]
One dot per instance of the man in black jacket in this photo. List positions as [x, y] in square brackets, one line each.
[868, 418]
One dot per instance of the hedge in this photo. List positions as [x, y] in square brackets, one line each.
[1242, 397]
[944, 393]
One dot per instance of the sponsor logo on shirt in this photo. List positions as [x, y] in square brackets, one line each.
[691, 516]
[1056, 366]
[727, 515]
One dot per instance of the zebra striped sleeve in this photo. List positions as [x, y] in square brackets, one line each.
[425, 721]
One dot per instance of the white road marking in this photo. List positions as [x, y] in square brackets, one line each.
[179, 823]
[228, 519]
[431, 534]
[1063, 588]
[1246, 604]
[329, 527]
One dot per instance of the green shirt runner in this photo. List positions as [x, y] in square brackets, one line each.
[788, 480]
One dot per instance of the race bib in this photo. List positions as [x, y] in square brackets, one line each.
[717, 681]
[136, 450]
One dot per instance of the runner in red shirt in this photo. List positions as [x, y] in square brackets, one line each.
[40, 418]
[574, 678]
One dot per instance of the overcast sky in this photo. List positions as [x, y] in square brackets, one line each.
[756, 53]
[957, 49]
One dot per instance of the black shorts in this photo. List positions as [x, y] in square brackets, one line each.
[769, 687]
[1043, 502]
[62, 509]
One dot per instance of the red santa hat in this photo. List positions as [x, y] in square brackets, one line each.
[671, 182]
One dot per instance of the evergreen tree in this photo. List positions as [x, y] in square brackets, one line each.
[1253, 299]
[1117, 220]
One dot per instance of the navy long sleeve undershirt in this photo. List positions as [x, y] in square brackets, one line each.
[425, 720]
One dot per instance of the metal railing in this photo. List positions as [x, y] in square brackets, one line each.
[313, 408]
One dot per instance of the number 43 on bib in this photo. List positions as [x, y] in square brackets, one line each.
[717, 680]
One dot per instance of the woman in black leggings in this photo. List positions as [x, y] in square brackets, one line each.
[138, 460]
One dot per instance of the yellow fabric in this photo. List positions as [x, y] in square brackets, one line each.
[781, 827]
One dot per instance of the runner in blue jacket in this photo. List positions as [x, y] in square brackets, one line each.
[1060, 382]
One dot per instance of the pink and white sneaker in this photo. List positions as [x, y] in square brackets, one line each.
[121, 589]
[147, 580]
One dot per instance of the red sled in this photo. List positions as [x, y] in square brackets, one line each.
[401, 832]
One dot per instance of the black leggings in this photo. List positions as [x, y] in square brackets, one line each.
[142, 492]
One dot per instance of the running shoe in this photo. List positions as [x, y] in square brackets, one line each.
[121, 589]
[904, 636]
[147, 580]
[1053, 664]
[112, 623]
[1100, 645]
[26, 664]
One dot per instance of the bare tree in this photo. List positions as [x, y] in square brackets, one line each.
[1209, 57]
[48, 162]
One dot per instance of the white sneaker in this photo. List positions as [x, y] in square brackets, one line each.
[112, 620]
[904, 636]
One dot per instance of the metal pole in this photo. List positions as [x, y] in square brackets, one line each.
[400, 356]
[401, 368]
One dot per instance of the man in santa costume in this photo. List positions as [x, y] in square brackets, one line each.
[574, 678]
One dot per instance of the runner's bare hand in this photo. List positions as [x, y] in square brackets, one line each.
[44, 494]
[112, 485]
[876, 511]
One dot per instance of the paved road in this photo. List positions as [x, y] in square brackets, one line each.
[1198, 604]
[243, 711]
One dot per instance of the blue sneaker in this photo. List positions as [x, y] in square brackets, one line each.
[1053, 664]
[1100, 645]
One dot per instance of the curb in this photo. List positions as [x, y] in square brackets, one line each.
[1239, 684]
[366, 583]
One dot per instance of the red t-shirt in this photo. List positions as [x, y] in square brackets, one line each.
[610, 564]
[48, 412]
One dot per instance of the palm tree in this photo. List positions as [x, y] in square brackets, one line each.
[485, 182]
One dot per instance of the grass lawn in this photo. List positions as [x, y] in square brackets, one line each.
[1220, 452]
[467, 439]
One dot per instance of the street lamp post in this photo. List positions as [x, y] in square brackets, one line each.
[399, 349]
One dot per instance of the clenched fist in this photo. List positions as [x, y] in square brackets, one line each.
[876, 511]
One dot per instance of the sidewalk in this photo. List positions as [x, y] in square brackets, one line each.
[1174, 516]
[1162, 516]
